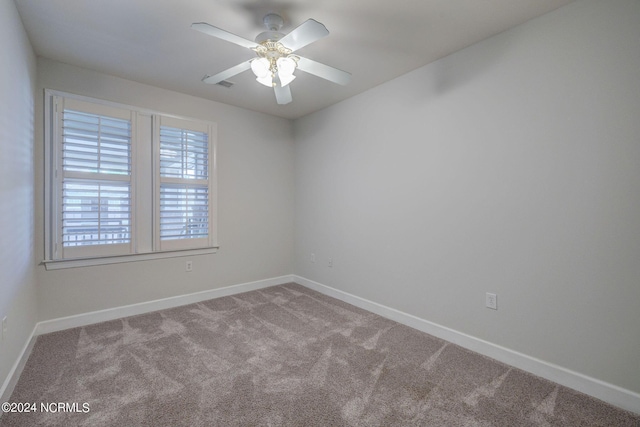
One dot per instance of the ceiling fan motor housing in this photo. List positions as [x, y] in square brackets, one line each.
[273, 36]
[274, 23]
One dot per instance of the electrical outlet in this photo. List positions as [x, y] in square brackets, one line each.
[313, 257]
[188, 266]
[330, 262]
[4, 327]
[491, 301]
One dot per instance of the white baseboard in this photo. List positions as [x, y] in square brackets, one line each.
[610, 393]
[617, 396]
[85, 319]
[12, 379]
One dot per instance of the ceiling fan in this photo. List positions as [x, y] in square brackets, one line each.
[275, 62]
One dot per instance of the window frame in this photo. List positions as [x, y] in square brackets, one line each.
[144, 187]
[199, 126]
[61, 175]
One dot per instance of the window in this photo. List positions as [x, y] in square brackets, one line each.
[183, 183]
[124, 182]
[94, 181]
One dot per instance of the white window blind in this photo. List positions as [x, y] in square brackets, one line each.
[184, 189]
[94, 143]
[95, 213]
[93, 183]
[183, 153]
[184, 212]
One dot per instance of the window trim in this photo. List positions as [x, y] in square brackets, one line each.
[57, 184]
[59, 264]
[138, 253]
[200, 126]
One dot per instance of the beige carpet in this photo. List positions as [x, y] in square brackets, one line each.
[283, 356]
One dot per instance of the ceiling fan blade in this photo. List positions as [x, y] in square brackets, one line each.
[209, 29]
[324, 71]
[223, 75]
[304, 34]
[283, 94]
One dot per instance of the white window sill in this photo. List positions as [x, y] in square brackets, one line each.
[59, 264]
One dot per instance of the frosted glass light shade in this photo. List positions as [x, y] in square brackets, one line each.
[266, 80]
[261, 68]
[286, 65]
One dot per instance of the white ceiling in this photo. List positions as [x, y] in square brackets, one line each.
[150, 41]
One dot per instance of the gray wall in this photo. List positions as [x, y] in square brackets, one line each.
[512, 167]
[255, 199]
[17, 282]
